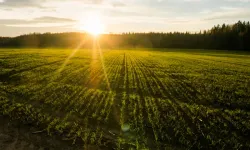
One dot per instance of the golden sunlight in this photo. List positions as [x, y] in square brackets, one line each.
[93, 25]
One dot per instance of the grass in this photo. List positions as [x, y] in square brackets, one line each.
[130, 99]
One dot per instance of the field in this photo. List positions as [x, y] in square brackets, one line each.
[130, 99]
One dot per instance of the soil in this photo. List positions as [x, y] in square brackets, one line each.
[17, 136]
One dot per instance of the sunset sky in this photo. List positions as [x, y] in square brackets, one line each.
[26, 16]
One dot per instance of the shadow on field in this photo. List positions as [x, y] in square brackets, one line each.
[17, 136]
[8, 76]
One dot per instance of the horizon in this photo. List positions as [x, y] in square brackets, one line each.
[110, 33]
[18, 17]
[121, 33]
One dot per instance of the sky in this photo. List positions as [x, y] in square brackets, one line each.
[27, 16]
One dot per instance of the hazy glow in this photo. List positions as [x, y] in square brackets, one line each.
[28, 16]
[93, 25]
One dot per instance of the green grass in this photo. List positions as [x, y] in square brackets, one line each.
[131, 99]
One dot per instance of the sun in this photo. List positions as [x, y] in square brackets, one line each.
[93, 25]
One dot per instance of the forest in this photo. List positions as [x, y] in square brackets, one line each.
[221, 37]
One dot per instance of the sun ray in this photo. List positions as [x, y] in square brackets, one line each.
[70, 56]
[103, 65]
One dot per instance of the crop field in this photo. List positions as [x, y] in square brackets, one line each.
[130, 99]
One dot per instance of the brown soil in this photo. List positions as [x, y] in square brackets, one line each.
[17, 136]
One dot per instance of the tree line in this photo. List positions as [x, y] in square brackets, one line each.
[222, 37]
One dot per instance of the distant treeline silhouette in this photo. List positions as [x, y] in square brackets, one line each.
[224, 37]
